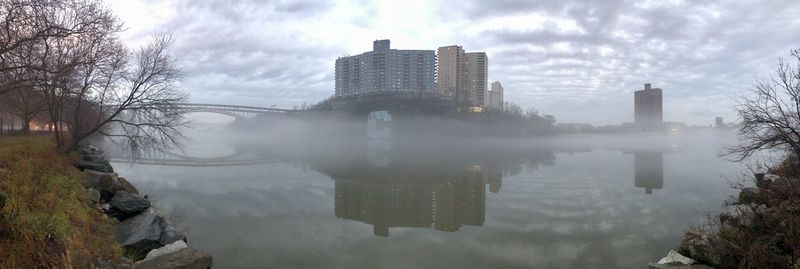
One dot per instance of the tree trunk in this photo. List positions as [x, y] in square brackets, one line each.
[26, 125]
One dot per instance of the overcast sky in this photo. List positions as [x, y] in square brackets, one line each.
[577, 60]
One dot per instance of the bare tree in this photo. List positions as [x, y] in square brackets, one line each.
[25, 103]
[66, 54]
[131, 99]
[26, 23]
[771, 118]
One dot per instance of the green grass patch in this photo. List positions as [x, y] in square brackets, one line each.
[45, 221]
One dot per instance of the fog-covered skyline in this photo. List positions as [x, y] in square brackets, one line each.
[577, 60]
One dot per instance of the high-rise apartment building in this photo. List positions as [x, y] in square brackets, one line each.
[386, 70]
[477, 68]
[496, 97]
[462, 75]
[647, 107]
[451, 72]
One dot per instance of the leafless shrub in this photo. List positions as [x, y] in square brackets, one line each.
[771, 118]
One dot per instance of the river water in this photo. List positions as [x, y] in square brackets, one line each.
[572, 201]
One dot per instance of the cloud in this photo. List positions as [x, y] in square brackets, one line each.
[577, 60]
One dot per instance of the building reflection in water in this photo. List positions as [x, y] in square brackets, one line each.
[444, 204]
[442, 195]
[649, 170]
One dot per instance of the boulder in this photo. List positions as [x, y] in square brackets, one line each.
[100, 181]
[96, 166]
[749, 195]
[186, 258]
[701, 246]
[742, 215]
[107, 184]
[675, 257]
[764, 180]
[147, 231]
[89, 150]
[92, 195]
[124, 185]
[139, 234]
[126, 205]
[166, 249]
[169, 234]
[677, 266]
[122, 263]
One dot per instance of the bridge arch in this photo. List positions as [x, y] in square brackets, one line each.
[235, 111]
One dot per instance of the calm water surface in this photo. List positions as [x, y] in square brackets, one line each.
[576, 201]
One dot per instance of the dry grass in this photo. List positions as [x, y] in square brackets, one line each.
[45, 222]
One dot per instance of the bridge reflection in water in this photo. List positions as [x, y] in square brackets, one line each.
[174, 159]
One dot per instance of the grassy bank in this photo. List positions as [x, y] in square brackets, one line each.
[45, 221]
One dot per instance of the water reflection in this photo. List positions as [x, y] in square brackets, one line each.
[445, 203]
[390, 188]
[566, 202]
[649, 170]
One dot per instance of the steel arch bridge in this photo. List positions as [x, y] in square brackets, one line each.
[174, 159]
[235, 111]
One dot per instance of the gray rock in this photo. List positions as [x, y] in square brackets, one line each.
[127, 205]
[678, 266]
[743, 215]
[123, 184]
[107, 184]
[763, 181]
[122, 263]
[186, 258]
[169, 234]
[675, 257]
[169, 248]
[92, 195]
[147, 231]
[139, 234]
[701, 246]
[749, 195]
[96, 166]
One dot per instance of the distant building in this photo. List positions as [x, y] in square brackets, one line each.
[386, 70]
[477, 79]
[719, 123]
[464, 76]
[451, 71]
[647, 107]
[495, 101]
[574, 127]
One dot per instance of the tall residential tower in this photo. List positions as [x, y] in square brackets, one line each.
[647, 107]
[477, 76]
[496, 97]
[451, 71]
[386, 70]
[463, 76]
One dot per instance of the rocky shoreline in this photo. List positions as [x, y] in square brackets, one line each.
[754, 230]
[148, 239]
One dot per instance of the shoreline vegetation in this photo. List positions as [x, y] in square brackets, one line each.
[761, 227]
[73, 211]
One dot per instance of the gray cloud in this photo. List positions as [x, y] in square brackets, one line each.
[581, 62]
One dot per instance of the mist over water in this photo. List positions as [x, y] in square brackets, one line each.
[335, 199]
